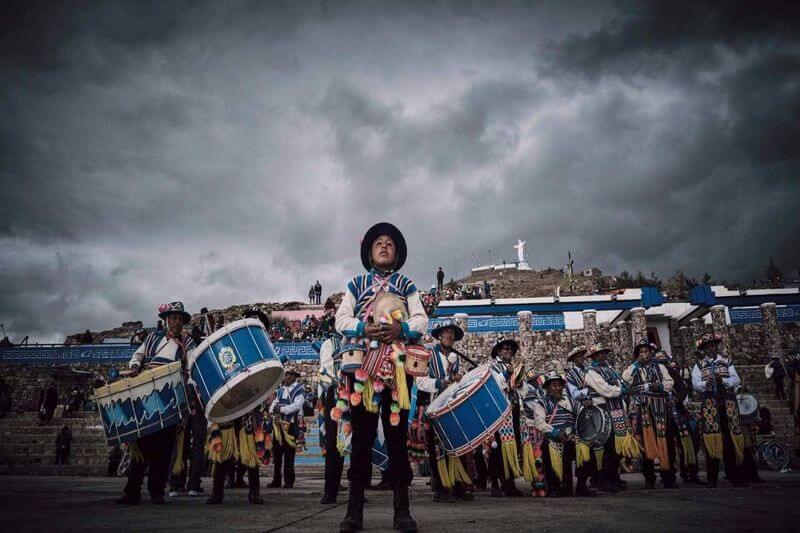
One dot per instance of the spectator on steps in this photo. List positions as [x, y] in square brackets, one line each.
[75, 402]
[775, 371]
[439, 279]
[48, 400]
[63, 445]
[311, 295]
[318, 292]
[87, 338]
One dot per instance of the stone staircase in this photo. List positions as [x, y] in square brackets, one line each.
[28, 448]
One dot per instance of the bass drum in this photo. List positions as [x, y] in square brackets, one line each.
[748, 408]
[593, 426]
[774, 454]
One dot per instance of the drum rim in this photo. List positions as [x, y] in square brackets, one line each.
[482, 437]
[606, 416]
[241, 376]
[743, 396]
[105, 392]
[452, 405]
[226, 329]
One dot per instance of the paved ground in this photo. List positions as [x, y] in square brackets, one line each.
[54, 503]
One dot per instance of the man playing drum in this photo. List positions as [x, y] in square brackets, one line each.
[554, 415]
[383, 253]
[651, 413]
[606, 389]
[503, 459]
[155, 450]
[444, 368]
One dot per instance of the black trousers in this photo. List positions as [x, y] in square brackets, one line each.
[283, 457]
[495, 464]
[61, 456]
[667, 471]
[157, 451]
[365, 428]
[481, 469]
[611, 460]
[334, 462]
[194, 454]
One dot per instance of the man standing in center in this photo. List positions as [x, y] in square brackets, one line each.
[383, 253]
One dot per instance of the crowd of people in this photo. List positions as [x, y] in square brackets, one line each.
[373, 396]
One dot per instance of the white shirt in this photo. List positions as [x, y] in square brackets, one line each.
[731, 382]
[666, 380]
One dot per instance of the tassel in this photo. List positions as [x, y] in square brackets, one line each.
[457, 472]
[444, 475]
[688, 450]
[510, 459]
[598, 457]
[556, 461]
[582, 454]
[366, 397]
[650, 444]
[626, 446]
[713, 444]
[529, 470]
[247, 449]
[738, 447]
[136, 452]
[177, 466]
[400, 382]
[663, 455]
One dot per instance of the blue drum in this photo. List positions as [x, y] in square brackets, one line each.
[235, 369]
[467, 413]
[142, 405]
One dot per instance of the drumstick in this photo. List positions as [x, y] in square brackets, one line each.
[464, 357]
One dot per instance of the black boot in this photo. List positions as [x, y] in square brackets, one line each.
[402, 515]
[354, 520]
[496, 492]
[254, 486]
[218, 485]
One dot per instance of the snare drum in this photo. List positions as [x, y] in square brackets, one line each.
[235, 369]
[593, 425]
[417, 359]
[142, 405]
[467, 413]
[748, 408]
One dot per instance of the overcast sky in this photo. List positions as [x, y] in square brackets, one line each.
[222, 154]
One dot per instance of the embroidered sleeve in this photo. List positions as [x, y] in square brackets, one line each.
[346, 321]
[417, 324]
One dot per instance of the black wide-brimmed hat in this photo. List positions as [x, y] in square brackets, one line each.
[514, 345]
[644, 343]
[295, 373]
[552, 375]
[383, 228]
[579, 350]
[448, 324]
[707, 340]
[173, 307]
[255, 312]
[598, 349]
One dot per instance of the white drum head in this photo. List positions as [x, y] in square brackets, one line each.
[245, 391]
[453, 395]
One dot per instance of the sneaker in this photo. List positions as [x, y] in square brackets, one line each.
[195, 493]
[173, 494]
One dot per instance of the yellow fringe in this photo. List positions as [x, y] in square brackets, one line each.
[556, 461]
[510, 459]
[713, 444]
[247, 449]
[444, 475]
[366, 397]
[529, 470]
[457, 472]
[400, 381]
[136, 452]
[227, 449]
[627, 446]
[688, 450]
[177, 466]
[598, 456]
[738, 447]
[582, 454]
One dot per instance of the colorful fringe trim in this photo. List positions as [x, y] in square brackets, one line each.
[583, 454]
[626, 446]
[177, 466]
[529, 470]
[556, 451]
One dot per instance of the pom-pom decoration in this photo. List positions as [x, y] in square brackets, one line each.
[394, 419]
[355, 399]
[361, 374]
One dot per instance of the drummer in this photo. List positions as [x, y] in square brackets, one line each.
[503, 459]
[240, 444]
[606, 390]
[444, 368]
[161, 347]
[383, 253]
[286, 408]
[554, 415]
[651, 410]
[574, 378]
[716, 379]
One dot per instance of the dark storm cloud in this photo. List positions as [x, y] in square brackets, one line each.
[222, 153]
